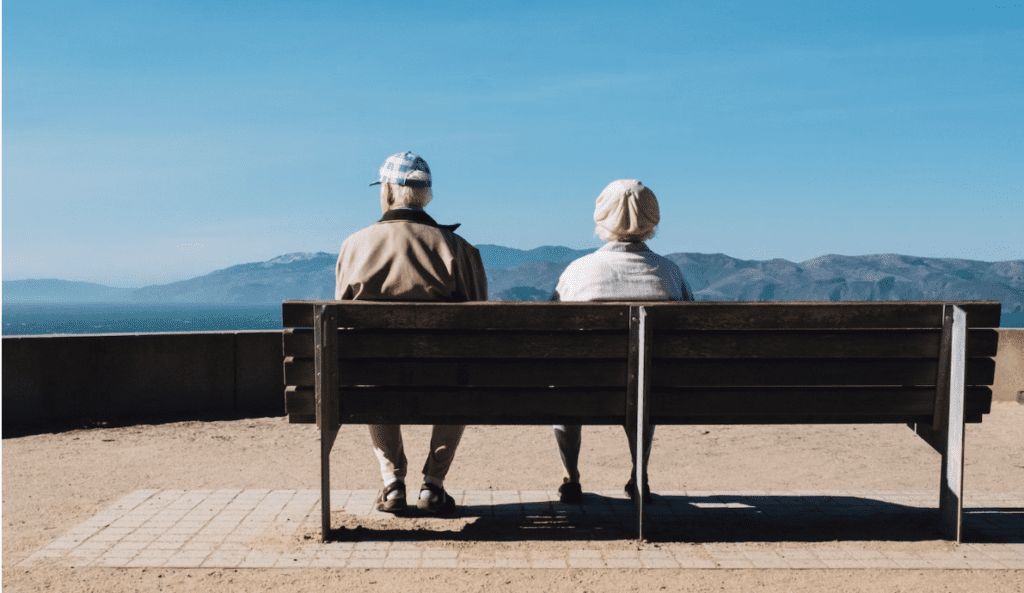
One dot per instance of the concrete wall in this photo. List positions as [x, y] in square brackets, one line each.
[1009, 384]
[141, 377]
[147, 377]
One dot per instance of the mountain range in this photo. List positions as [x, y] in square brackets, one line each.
[515, 274]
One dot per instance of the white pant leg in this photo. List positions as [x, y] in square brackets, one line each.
[569, 438]
[390, 451]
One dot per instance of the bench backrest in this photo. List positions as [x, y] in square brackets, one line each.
[709, 362]
[924, 364]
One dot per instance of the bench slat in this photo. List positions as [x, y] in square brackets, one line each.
[452, 406]
[676, 316]
[611, 373]
[481, 373]
[397, 344]
[670, 406]
[355, 344]
[795, 372]
[691, 406]
[817, 343]
[815, 315]
[482, 315]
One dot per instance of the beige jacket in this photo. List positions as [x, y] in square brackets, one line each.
[406, 256]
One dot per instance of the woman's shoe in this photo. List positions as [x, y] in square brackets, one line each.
[570, 493]
[630, 490]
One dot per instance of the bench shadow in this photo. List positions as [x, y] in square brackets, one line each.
[681, 519]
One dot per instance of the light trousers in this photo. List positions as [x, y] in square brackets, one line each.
[387, 444]
[569, 438]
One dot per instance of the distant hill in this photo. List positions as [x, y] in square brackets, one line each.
[51, 290]
[496, 257]
[515, 274]
[853, 278]
[290, 276]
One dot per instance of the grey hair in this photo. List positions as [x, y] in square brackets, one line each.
[403, 195]
[607, 235]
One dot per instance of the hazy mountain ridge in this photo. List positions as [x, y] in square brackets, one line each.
[496, 257]
[515, 274]
[289, 276]
[884, 277]
[51, 290]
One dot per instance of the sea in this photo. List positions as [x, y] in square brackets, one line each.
[41, 319]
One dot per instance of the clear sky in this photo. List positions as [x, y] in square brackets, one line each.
[147, 142]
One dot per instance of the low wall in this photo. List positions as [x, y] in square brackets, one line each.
[52, 380]
[1009, 383]
[146, 377]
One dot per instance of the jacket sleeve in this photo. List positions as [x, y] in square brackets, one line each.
[471, 276]
[340, 284]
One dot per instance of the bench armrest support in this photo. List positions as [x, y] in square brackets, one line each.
[638, 385]
[325, 338]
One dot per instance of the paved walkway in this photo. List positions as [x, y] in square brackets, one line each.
[708, 530]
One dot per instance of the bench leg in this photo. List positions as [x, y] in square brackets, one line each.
[326, 442]
[325, 338]
[946, 432]
[951, 485]
[637, 408]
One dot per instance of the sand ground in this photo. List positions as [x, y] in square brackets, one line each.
[52, 482]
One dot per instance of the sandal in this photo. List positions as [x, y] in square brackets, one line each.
[438, 503]
[395, 505]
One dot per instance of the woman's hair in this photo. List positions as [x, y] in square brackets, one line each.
[626, 211]
[403, 195]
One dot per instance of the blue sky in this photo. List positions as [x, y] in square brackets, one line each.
[147, 142]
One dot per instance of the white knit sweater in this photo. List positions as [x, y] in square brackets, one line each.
[622, 271]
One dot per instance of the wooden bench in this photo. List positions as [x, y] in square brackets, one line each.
[924, 364]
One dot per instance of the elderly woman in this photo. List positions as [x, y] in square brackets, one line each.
[623, 270]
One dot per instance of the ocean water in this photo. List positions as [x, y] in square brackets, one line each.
[37, 319]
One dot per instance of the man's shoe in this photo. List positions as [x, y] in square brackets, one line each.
[630, 490]
[570, 493]
[438, 503]
[395, 505]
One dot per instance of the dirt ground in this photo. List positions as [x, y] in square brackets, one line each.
[52, 482]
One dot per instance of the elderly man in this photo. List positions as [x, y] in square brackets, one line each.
[406, 256]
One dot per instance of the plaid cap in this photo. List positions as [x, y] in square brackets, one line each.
[405, 168]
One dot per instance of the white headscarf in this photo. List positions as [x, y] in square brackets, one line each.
[626, 211]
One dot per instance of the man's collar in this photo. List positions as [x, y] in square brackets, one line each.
[417, 216]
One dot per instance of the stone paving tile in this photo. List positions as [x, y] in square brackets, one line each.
[259, 559]
[218, 528]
